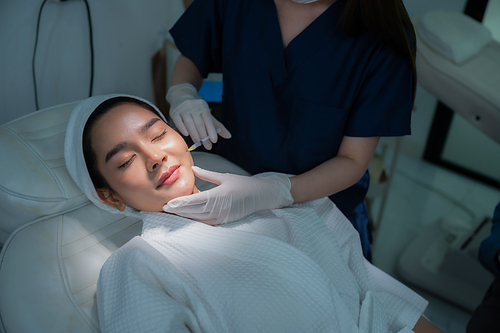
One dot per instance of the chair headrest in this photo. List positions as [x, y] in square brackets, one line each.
[454, 35]
[34, 181]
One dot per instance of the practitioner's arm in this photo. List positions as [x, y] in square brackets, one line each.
[239, 196]
[336, 174]
[425, 326]
[191, 114]
[185, 71]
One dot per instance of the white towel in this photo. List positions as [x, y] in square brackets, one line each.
[73, 149]
[297, 269]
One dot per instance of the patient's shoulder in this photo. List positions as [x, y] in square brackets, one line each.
[134, 251]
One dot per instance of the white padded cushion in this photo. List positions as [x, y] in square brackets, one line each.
[470, 88]
[34, 181]
[49, 270]
[454, 35]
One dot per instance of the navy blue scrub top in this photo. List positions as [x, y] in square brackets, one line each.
[289, 108]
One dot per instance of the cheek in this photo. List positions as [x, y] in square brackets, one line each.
[178, 147]
[125, 181]
[178, 140]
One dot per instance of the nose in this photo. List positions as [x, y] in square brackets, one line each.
[154, 159]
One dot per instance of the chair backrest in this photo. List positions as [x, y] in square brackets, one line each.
[58, 240]
[34, 181]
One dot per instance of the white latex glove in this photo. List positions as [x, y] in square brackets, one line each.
[234, 198]
[191, 115]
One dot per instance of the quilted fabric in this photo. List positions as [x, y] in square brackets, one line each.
[297, 269]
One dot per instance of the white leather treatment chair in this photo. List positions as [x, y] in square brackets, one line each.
[54, 240]
[458, 61]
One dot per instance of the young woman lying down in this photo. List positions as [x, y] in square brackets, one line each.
[293, 269]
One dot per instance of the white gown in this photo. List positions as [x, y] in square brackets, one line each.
[298, 269]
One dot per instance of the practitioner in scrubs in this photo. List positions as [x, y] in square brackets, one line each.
[309, 87]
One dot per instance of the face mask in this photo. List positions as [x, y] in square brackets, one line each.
[304, 1]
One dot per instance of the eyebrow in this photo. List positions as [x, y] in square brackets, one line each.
[119, 147]
[148, 125]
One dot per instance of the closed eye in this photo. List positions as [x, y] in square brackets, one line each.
[160, 136]
[124, 165]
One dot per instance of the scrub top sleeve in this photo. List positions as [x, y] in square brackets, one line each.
[198, 35]
[384, 102]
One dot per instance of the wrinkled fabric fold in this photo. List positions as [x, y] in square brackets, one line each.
[295, 269]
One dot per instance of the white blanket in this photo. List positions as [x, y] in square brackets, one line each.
[297, 269]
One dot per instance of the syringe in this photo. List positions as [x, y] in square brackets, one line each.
[202, 141]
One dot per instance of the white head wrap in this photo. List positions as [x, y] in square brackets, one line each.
[73, 149]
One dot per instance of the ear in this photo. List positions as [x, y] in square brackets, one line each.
[110, 199]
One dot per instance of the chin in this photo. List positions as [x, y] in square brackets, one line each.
[185, 187]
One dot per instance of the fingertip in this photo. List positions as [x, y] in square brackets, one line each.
[212, 133]
[207, 145]
[182, 130]
[196, 169]
[170, 205]
[213, 139]
[222, 130]
[179, 126]
[225, 134]
[203, 174]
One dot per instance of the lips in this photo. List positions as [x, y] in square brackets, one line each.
[169, 177]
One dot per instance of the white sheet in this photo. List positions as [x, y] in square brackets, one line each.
[297, 269]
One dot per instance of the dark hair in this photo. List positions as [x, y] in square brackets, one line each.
[386, 20]
[88, 152]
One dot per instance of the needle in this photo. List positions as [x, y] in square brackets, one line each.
[202, 141]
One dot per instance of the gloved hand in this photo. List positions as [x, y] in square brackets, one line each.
[191, 115]
[234, 198]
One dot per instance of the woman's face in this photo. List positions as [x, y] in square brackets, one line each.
[145, 162]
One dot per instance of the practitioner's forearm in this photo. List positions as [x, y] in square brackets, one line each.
[185, 71]
[336, 174]
[425, 326]
[326, 179]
